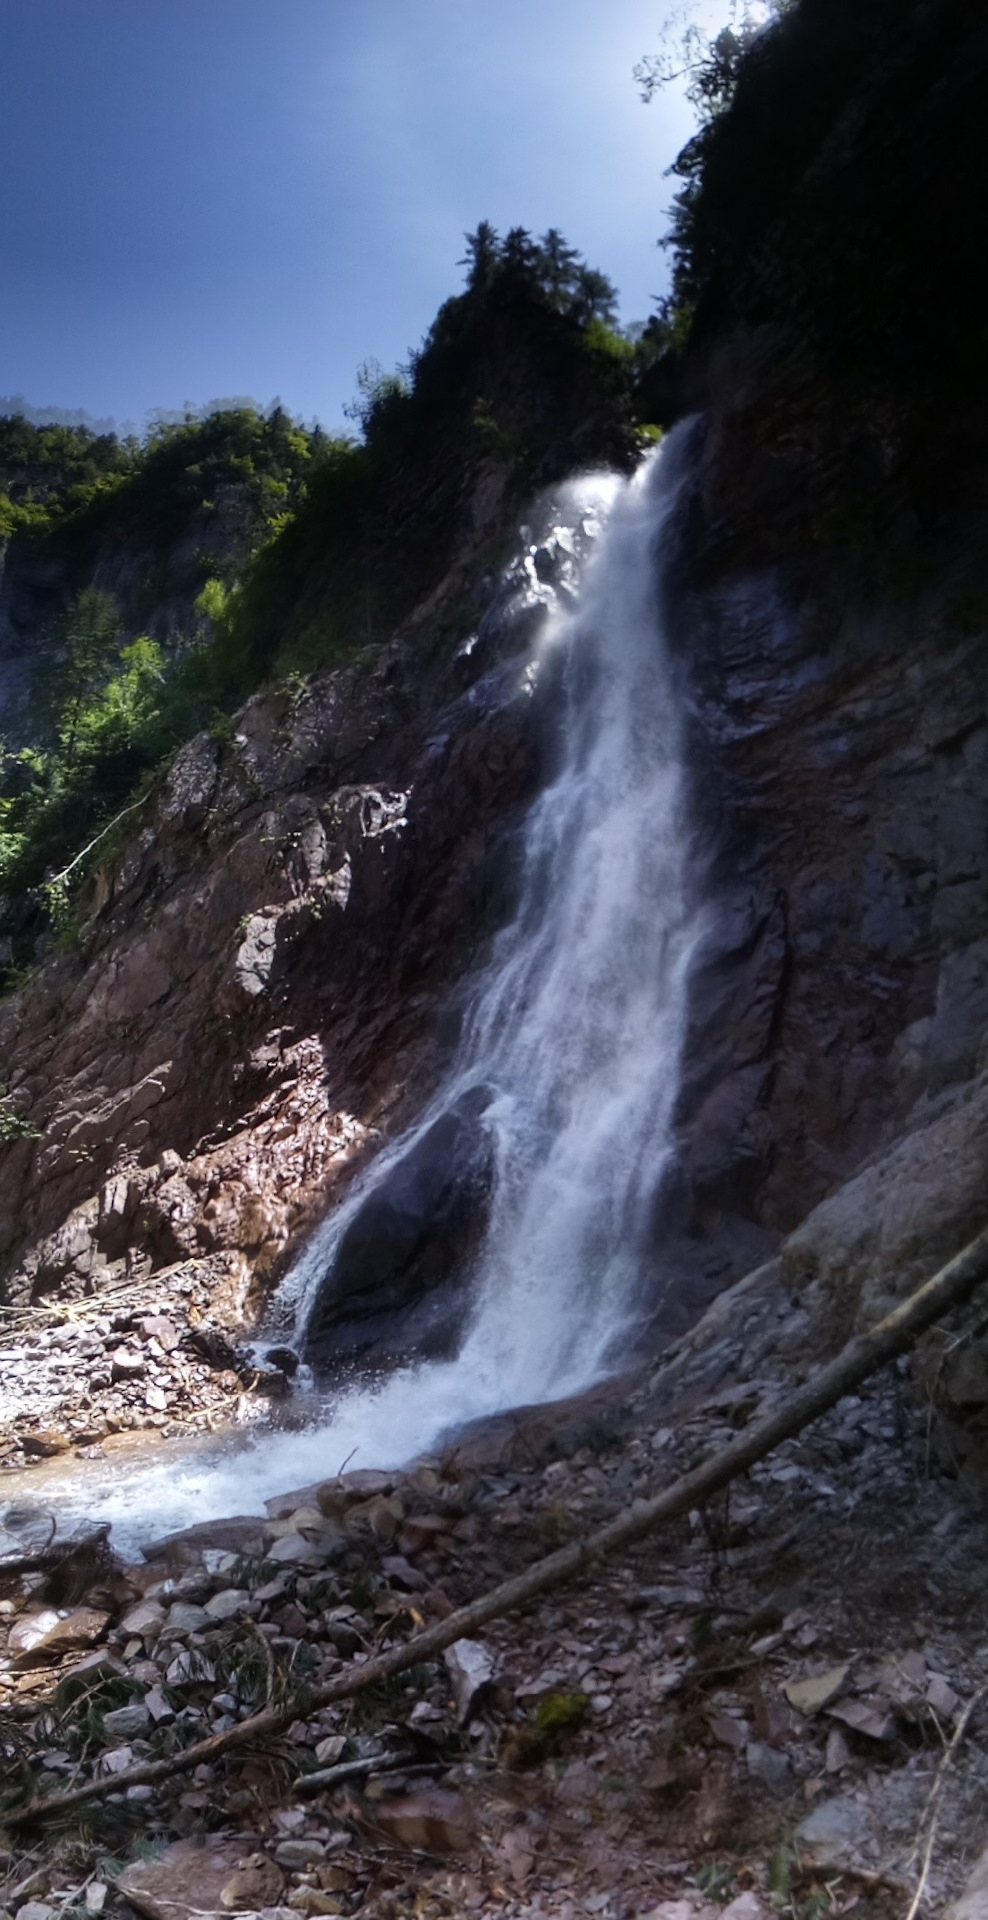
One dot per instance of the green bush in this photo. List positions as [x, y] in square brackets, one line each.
[340, 538]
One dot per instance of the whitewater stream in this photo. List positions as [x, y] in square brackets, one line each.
[571, 1042]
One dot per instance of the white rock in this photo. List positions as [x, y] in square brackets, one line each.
[217, 1560]
[973, 1901]
[189, 1669]
[224, 1605]
[470, 1666]
[294, 1550]
[747, 1906]
[158, 1707]
[941, 1696]
[184, 1618]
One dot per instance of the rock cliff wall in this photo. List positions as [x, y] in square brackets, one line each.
[256, 980]
[265, 982]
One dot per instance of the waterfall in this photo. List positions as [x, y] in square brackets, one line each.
[570, 1044]
[574, 1026]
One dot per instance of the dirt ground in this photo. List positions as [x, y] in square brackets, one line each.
[770, 1706]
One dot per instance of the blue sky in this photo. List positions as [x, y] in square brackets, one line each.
[214, 197]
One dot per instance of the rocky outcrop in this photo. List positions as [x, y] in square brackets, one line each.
[842, 997]
[390, 1286]
[264, 985]
[253, 993]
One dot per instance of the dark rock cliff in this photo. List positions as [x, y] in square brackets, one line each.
[266, 977]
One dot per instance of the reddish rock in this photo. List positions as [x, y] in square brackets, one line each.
[193, 1876]
[39, 1637]
[46, 1443]
[433, 1821]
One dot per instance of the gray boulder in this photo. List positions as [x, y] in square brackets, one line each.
[391, 1288]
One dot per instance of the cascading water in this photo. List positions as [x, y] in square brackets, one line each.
[575, 1024]
[573, 1031]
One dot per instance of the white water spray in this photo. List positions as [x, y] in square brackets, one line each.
[575, 1026]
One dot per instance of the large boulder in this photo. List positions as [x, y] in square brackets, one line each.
[907, 1212]
[392, 1290]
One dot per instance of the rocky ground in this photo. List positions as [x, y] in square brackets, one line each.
[145, 1357]
[746, 1715]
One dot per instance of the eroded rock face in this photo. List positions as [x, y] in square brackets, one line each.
[843, 811]
[252, 1000]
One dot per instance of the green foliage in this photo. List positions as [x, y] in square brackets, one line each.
[20, 516]
[261, 461]
[562, 1712]
[716, 1881]
[545, 269]
[283, 549]
[710, 67]
[313, 593]
[13, 1125]
[85, 645]
[212, 604]
[56, 474]
[780, 1871]
[51, 469]
[556, 1524]
[557, 1718]
[104, 724]
[601, 338]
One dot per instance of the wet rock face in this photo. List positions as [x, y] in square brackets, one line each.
[841, 803]
[391, 1288]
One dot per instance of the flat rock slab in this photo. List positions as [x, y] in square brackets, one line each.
[215, 1875]
[39, 1637]
[241, 1534]
[835, 1834]
[811, 1696]
[433, 1821]
[470, 1666]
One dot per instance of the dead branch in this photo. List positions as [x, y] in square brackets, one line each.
[269, 1673]
[932, 1811]
[355, 1769]
[859, 1358]
[33, 1882]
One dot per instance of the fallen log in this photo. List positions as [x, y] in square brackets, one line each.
[859, 1358]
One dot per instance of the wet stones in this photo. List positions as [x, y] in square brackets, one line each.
[45, 1444]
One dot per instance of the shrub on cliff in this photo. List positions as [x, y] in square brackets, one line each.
[522, 371]
[830, 185]
[522, 376]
